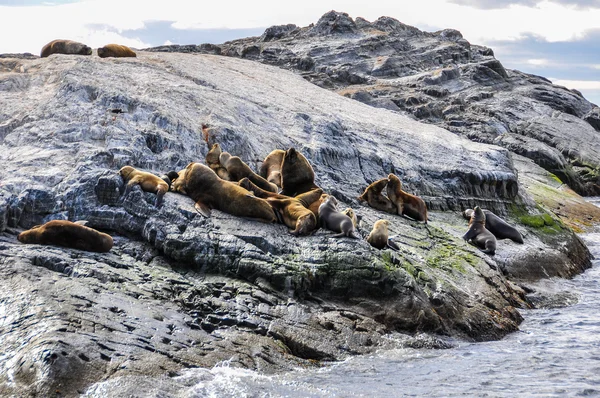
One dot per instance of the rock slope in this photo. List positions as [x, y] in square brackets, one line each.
[438, 78]
[179, 290]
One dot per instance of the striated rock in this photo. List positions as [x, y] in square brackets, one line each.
[178, 290]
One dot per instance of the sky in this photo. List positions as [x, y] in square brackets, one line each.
[558, 39]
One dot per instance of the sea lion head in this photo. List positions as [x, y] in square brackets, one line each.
[224, 157]
[275, 178]
[25, 237]
[125, 171]
[85, 50]
[395, 181]
[478, 215]
[331, 200]
[291, 154]
[467, 214]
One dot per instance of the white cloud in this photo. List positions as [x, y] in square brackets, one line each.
[578, 84]
[538, 62]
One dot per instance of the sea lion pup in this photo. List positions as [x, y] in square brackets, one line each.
[406, 204]
[297, 175]
[333, 220]
[61, 46]
[116, 50]
[294, 212]
[378, 238]
[212, 160]
[373, 196]
[237, 170]
[478, 235]
[201, 184]
[147, 181]
[497, 226]
[68, 234]
[350, 213]
[271, 167]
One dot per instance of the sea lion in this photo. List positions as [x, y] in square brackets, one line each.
[297, 175]
[497, 226]
[373, 196]
[201, 184]
[350, 213]
[237, 170]
[406, 204]
[147, 181]
[378, 237]
[212, 160]
[271, 167]
[61, 46]
[478, 234]
[67, 234]
[295, 213]
[333, 220]
[116, 50]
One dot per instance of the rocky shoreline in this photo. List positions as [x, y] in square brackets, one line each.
[178, 290]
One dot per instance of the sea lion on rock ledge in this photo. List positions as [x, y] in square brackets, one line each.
[61, 46]
[201, 184]
[297, 175]
[116, 50]
[478, 234]
[295, 213]
[406, 204]
[237, 170]
[271, 167]
[212, 160]
[378, 238]
[497, 226]
[373, 196]
[333, 220]
[67, 234]
[147, 181]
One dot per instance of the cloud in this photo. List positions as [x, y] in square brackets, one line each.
[496, 4]
[578, 84]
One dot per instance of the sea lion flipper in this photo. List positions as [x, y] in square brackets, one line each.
[202, 209]
[392, 245]
[81, 222]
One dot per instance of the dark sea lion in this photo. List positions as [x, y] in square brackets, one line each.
[497, 226]
[237, 170]
[212, 160]
[147, 181]
[67, 234]
[201, 184]
[478, 234]
[406, 204]
[271, 167]
[373, 196]
[60, 46]
[295, 213]
[378, 237]
[297, 175]
[331, 219]
[116, 50]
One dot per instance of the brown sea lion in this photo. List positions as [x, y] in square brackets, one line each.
[147, 181]
[331, 219]
[67, 234]
[297, 175]
[212, 160]
[478, 235]
[60, 46]
[295, 213]
[201, 184]
[373, 196]
[350, 213]
[497, 226]
[378, 237]
[116, 50]
[406, 204]
[237, 170]
[271, 167]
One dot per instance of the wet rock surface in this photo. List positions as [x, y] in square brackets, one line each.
[178, 290]
[438, 78]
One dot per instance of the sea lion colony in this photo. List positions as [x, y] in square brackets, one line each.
[283, 191]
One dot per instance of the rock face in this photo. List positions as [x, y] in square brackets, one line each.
[439, 78]
[178, 290]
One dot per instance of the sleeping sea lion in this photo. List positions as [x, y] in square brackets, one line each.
[61, 46]
[373, 196]
[297, 175]
[271, 167]
[147, 181]
[478, 235]
[406, 204]
[497, 226]
[116, 50]
[295, 213]
[237, 170]
[67, 234]
[333, 220]
[201, 184]
[212, 160]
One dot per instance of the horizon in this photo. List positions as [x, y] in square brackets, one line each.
[557, 39]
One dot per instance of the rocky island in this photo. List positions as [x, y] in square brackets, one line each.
[179, 290]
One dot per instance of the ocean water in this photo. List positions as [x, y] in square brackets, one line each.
[556, 353]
